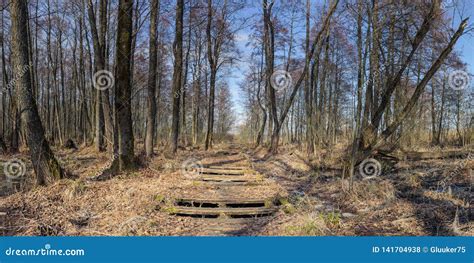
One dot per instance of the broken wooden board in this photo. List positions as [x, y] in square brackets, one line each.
[224, 201]
[226, 178]
[228, 167]
[221, 171]
[205, 211]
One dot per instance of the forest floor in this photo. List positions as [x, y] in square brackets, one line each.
[311, 197]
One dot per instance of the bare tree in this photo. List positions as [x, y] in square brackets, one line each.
[123, 87]
[369, 140]
[45, 164]
[177, 74]
[103, 109]
[213, 57]
[151, 110]
[269, 50]
[218, 35]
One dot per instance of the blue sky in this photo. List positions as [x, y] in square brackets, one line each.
[465, 46]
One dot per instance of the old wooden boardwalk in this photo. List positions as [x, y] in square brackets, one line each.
[229, 213]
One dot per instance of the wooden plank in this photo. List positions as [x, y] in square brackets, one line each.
[220, 171]
[226, 228]
[222, 200]
[223, 211]
[226, 178]
[229, 167]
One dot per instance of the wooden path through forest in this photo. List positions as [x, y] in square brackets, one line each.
[232, 211]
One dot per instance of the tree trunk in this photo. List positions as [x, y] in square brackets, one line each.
[269, 44]
[261, 131]
[196, 101]
[3, 146]
[177, 75]
[123, 86]
[433, 115]
[212, 82]
[441, 115]
[360, 81]
[151, 110]
[45, 164]
[184, 137]
[307, 91]
[196, 93]
[104, 122]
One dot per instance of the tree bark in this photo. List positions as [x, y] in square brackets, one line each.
[45, 164]
[212, 81]
[123, 86]
[177, 75]
[104, 122]
[307, 90]
[151, 110]
[360, 81]
[3, 146]
[269, 44]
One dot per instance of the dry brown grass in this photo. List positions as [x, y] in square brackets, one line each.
[396, 203]
[315, 199]
[125, 205]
